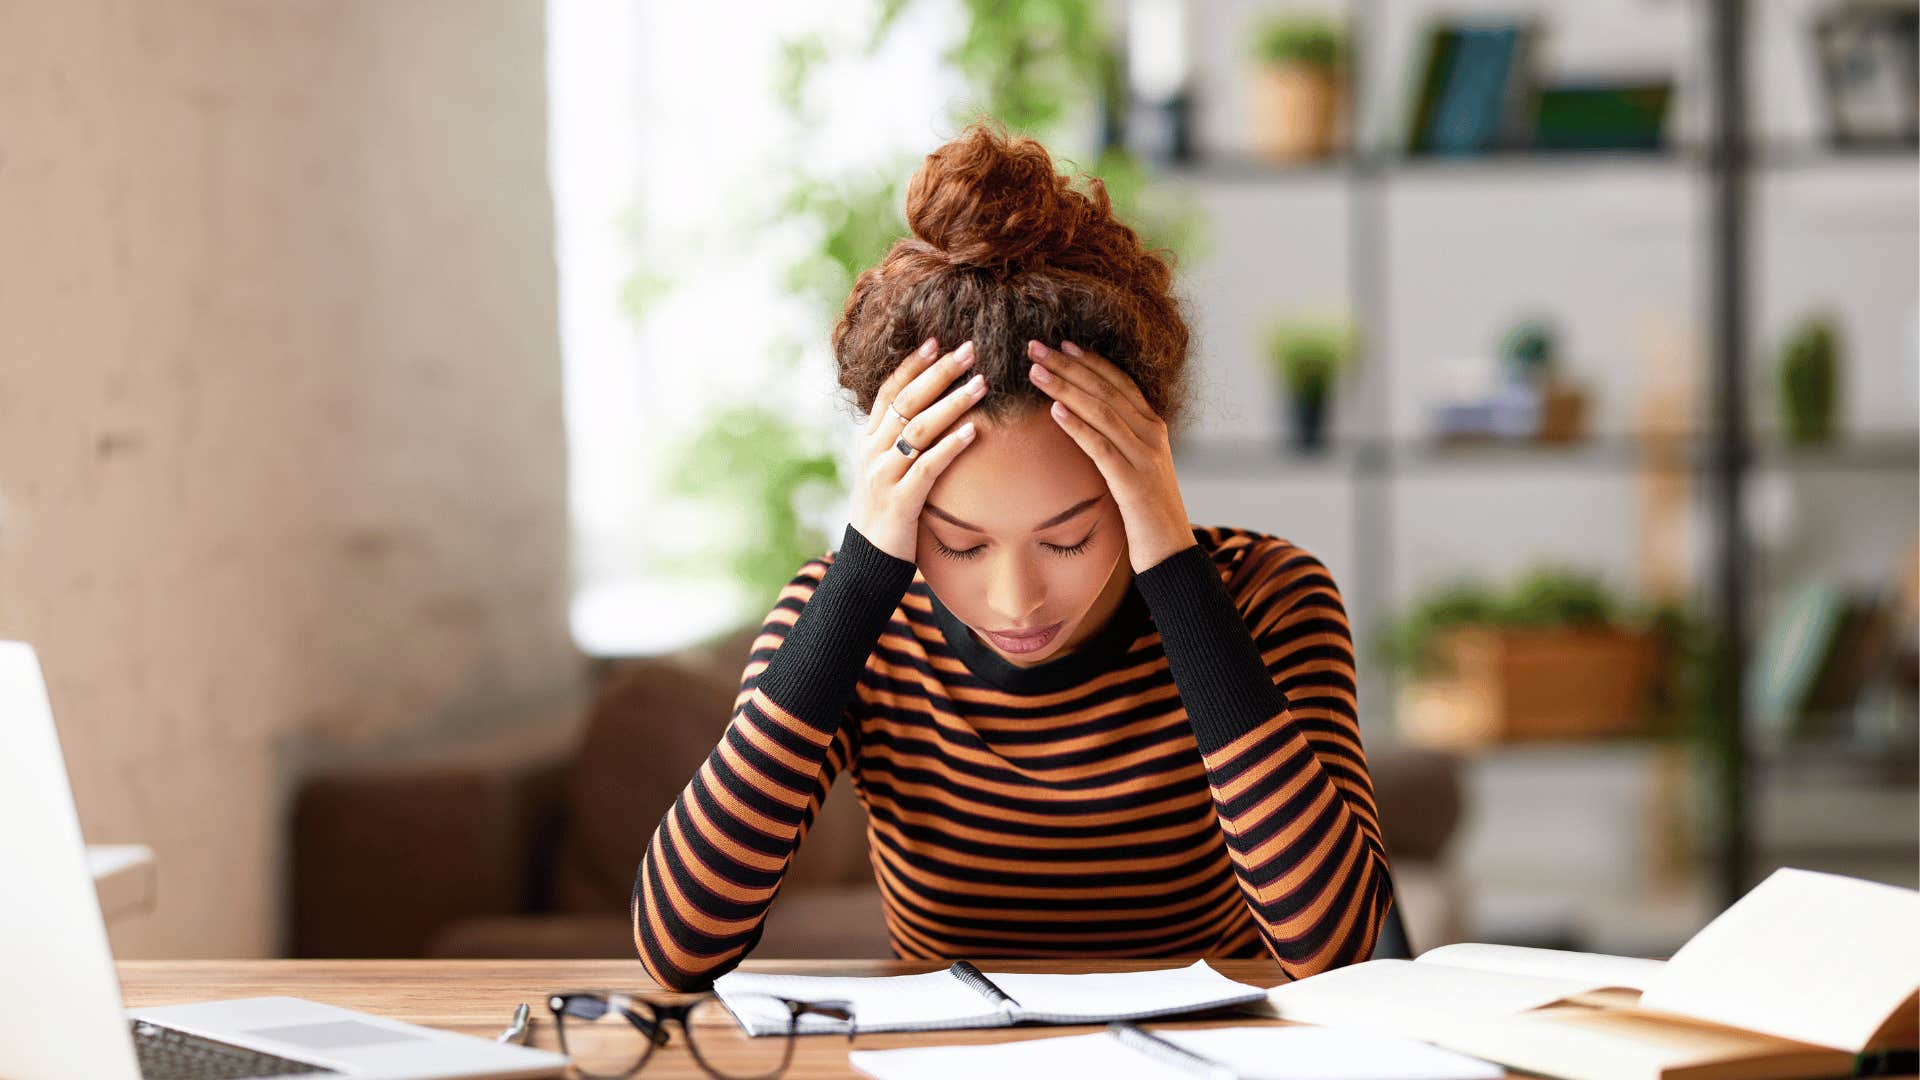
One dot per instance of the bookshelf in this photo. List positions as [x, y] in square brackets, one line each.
[1723, 458]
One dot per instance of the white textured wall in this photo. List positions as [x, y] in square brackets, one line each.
[281, 455]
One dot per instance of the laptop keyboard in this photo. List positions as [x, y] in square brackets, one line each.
[166, 1054]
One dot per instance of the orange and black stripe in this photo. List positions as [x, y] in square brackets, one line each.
[1187, 782]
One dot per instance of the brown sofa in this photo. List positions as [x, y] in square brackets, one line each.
[525, 844]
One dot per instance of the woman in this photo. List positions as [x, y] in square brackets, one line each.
[1080, 725]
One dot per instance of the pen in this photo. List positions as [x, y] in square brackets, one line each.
[517, 1031]
[1168, 1053]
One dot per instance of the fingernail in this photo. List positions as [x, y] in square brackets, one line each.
[975, 384]
[1070, 348]
[1039, 373]
[928, 346]
[964, 353]
[966, 430]
[1036, 348]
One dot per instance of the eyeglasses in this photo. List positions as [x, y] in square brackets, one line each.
[609, 1036]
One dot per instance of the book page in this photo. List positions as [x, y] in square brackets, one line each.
[1576, 1043]
[1405, 995]
[880, 1002]
[1816, 957]
[1596, 968]
[1121, 994]
[1258, 1053]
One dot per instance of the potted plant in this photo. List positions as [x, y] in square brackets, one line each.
[1308, 357]
[1298, 89]
[1530, 358]
[1809, 381]
[1555, 656]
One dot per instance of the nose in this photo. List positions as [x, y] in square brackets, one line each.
[1015, 591]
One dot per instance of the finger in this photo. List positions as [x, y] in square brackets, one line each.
[928, 385]
[1106, 457]
[1107, 370]
[1095, 411]
[938, 417]
[1129, 409]
[915, 362]
[928, 466]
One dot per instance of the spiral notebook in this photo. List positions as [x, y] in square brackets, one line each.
[962, 996]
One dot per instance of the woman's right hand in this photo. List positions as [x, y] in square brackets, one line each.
[892, 488]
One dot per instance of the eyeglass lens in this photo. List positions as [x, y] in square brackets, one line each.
[603, 1042]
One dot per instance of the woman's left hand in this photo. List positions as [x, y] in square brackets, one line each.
[1099, 406]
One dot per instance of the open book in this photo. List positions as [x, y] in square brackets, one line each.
[964, 997]
[1805, 972]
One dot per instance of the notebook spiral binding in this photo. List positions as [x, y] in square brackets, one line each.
[977, 979]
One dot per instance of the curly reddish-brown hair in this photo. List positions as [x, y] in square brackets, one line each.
[1003, 249]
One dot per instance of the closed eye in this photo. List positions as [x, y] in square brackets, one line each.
[1065, 552]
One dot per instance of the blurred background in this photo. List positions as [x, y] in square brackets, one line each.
[405, 407]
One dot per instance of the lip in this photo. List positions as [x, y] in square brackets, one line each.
[1032, 641]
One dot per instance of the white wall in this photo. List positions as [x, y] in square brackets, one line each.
[281, 458]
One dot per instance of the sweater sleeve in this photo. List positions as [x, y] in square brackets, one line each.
[1268, 684]
[718, 856]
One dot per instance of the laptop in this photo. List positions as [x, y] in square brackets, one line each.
[61, 1014]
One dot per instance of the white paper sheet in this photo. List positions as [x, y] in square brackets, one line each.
[1119, 993]
[1257, 1053]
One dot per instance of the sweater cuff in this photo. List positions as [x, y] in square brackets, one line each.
[1222, 679]
[813, 672]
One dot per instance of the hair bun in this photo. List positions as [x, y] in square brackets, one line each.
[990, 200]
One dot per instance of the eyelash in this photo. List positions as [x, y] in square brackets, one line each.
[974, 551]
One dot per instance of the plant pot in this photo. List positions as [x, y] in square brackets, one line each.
[1563, 413]
[1295, 109]
[1308, 414]
[1512, 684]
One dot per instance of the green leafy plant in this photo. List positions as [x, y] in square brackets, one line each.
[1308, 356]
[760, 460]
[1809, 376]
[1545, 596]
[1552, 595]
[1528, 351]
[1312, 40]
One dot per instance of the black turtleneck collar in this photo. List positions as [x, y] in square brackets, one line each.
[1094, 656]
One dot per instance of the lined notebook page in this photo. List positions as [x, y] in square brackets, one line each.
[935, 999]
[1122, 994]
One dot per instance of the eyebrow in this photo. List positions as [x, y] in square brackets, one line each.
[1047, 524]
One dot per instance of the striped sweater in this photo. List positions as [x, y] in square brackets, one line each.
[1189, 781]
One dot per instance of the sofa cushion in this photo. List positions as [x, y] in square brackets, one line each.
[653, 723]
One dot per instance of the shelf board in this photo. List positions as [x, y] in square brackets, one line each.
[1889, 452]
[1781, 154]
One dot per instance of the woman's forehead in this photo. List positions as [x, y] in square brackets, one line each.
[1017, 474]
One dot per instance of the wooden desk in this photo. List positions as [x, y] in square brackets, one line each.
[477, 996]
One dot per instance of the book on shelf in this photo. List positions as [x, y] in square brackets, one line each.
[1799, 978]
[1474, 87]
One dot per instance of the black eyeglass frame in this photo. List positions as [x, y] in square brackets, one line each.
[652, 1026]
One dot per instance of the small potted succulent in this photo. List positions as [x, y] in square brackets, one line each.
[1298, 90]
[1809, 381]
[1308, 357]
